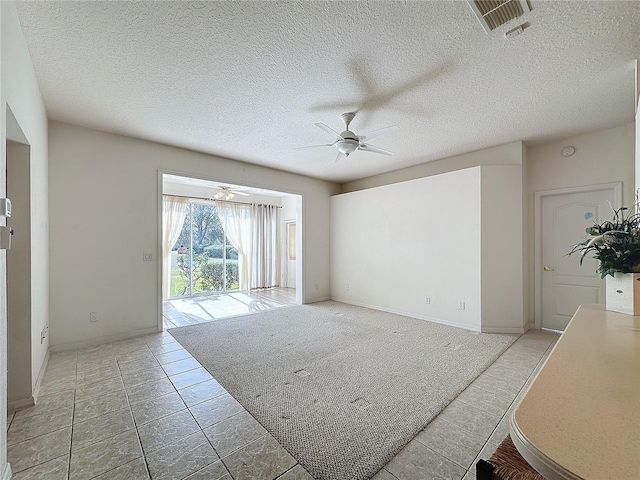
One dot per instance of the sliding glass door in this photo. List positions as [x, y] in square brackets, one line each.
[203, 261]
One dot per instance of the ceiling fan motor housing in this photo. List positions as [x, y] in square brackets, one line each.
[347, 118]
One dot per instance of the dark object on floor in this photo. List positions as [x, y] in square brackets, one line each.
[506, 463]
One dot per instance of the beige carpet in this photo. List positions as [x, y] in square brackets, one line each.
[342, 388]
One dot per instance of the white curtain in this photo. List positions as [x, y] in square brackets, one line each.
[265, 252]
[235, 219]
[174, 211]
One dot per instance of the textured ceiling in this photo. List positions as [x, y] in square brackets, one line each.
[248, 80]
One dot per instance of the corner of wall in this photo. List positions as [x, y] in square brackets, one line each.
[19, 89]
[637, 152]
[527, 295]
[506, 154]
[547, 169]
[502, 251]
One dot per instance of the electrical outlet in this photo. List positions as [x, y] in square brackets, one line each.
[347, 286]
[147, 256]
[427, 300]
[461, 306]
[316, 286]
[93, 317]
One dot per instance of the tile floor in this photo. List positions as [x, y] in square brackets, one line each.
[144, 408]
[187, 311]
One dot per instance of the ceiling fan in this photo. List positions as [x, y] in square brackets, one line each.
[348, 142]
[227, 193]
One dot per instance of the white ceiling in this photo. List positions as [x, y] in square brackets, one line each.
[248, 80]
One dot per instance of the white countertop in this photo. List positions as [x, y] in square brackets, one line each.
[580, 419]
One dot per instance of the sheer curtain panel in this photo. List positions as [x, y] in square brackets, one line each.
[236, 223]
[265, 251]
[174, 211]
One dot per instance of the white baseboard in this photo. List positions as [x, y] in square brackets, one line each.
[43, 369]
[560, 332]
[19, 404]
[316, 300]
[6, 475]
[516, 330]
[33, 399]
[92, 342]
[406, 314]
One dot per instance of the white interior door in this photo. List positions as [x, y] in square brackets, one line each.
[565, 284]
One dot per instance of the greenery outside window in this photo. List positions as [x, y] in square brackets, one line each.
[202, 260]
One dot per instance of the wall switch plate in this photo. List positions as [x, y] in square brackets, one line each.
[93, 317]
[5, 207]
[147, 256]
[427, 300]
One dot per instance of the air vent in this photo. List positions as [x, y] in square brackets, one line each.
[494, 13]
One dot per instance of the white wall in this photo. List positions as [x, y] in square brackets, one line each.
[601, 157]
[104, 208]
[19, 363]
[396, 244]
[290, 211]
[527, 231]
[454, 237]
[637, 162]
[289, 207]
[508, 154]
[501, 199]
[502, 249]
[19, 90]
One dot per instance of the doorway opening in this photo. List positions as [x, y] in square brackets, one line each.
[225, 249]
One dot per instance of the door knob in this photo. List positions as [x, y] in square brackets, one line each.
[548, 269]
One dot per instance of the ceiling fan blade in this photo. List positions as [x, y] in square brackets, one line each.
[341, 156]
[330, 130]
[377, 133]
[314, 146]
[372, 149]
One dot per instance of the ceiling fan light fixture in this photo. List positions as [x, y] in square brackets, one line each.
[223, 195]
[347, 146]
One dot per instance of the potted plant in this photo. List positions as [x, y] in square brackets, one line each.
[616, 245]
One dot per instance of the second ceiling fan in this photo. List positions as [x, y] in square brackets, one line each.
[224, 192]
[348, 142]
